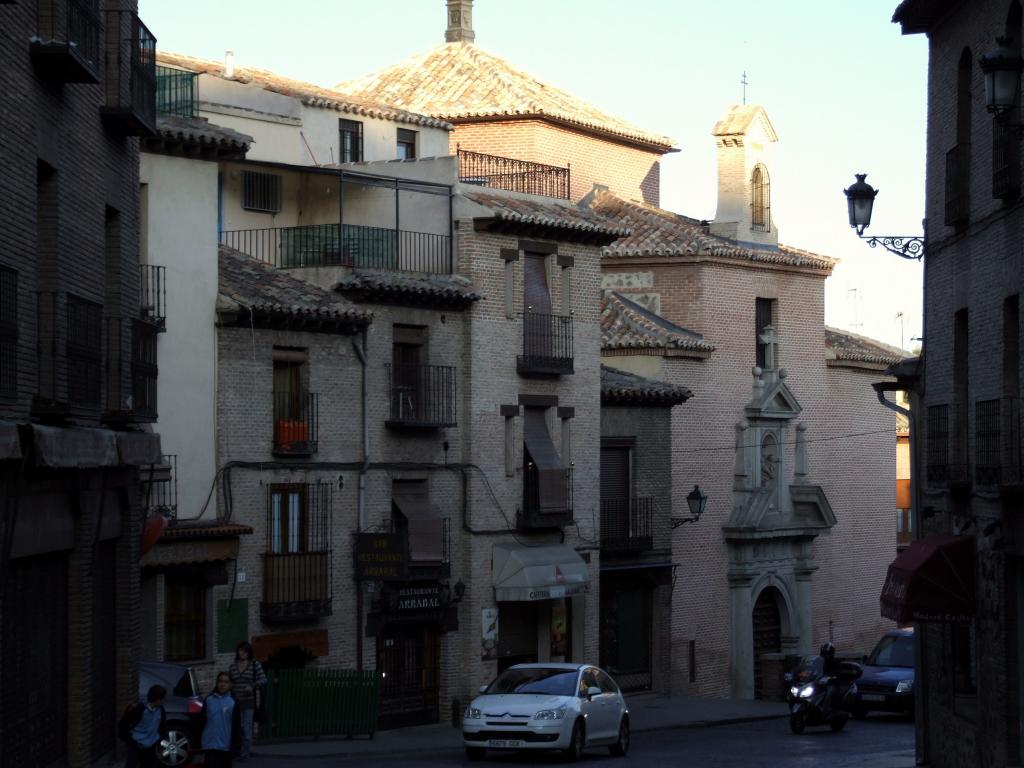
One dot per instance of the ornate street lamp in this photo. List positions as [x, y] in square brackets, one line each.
[696, 501]
[1001, 67]
[860, 199]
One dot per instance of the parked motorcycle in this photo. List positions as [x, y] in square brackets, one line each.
[819, 699]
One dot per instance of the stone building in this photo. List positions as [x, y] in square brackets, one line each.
[77, 386]
[967, 433]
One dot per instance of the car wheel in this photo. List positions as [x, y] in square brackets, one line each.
[797, 723]
[175, 746]
[621, 747]
[476, 753]
[574, 751]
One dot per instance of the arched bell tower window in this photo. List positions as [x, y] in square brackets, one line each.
[760, 197]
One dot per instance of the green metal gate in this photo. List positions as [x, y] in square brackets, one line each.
[320, 702]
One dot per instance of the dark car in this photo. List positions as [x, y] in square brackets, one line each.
[180, 740]
[887, 684]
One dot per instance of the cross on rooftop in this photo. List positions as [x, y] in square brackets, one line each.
[744, 82]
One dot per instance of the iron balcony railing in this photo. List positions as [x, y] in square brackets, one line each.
[130, 75]
[998, 456]
[958, 170]
[1005, 160]
[422, 396]
[153, 295]
[628, 525]
[177, 92]
[296, 422]
[946, 457]
[66, 48]
[359, 247]
[130, 370]
[547, 345]
[547, 497]
[513, 175]
[160, 487]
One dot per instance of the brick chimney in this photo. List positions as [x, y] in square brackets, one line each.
[745, 141]
[460, 22]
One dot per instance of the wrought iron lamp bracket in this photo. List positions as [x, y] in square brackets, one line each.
[677, 521]
[904, 246]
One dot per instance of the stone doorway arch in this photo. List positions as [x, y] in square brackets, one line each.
[767, 625]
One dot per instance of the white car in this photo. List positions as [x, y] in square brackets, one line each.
[547, 706]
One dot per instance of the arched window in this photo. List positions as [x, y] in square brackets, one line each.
[958, 158]
[760, 197]
[1005, 146]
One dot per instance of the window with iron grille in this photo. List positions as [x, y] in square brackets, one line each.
[351, 141]
[406, 144]
[8, 331]
[84, 350]
[299, 518]
[261, 192]
[764, 316]
[937, 462]
[760, 199]
[987, 454]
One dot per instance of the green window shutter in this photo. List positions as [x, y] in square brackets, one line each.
[232, 624]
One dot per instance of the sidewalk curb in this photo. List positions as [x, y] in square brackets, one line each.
[394, 751]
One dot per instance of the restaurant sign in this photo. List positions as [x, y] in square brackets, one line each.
[380, 557]
[422, 598]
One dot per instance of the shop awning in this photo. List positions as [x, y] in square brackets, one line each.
[426, 536]
[931, 580]
[537, 573]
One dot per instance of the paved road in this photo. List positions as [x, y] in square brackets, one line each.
[878, 742]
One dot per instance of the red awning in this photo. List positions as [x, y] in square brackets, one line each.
[931, 580]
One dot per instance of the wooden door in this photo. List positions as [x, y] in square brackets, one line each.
[767, 633]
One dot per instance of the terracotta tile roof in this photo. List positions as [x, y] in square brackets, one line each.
[557, 215]
[460, 80]
[846, 346]
[198, 132]
[657, 232]
[309, 94]
[623, 388]
[273, 293]
[204, 529]
[627, 325]
[419, 290]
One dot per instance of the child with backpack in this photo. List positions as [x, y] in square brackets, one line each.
[140, 728]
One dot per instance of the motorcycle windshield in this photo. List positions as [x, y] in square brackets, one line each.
[809, 669]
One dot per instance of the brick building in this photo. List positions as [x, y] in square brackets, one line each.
[969, 678]
[502, 114]
[77, 382]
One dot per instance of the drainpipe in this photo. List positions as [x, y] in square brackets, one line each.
[360, 350]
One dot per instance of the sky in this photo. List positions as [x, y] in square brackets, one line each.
[845, 91]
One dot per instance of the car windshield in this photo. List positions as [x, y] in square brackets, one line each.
[535, 680]
[893, 651]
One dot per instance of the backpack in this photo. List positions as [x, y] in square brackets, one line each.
[129, 719]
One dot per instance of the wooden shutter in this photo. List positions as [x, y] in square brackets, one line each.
[422, 521]
[615, 474]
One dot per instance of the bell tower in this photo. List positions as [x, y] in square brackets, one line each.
[460, 22]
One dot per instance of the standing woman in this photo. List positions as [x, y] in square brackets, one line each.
[246, 677]
[221, 724]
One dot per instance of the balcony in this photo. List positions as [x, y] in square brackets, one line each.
[130, 371]
[153, 295]
[1005, 160]
[958, 169]
[547, 345]
[317, 245]
[997, 444]
[66, 48]
[628, 527]
[946, 458]
[177, 92]
[69, 354]
[296, 586]
[547, 498]
[160, 488]
[513, 175]
[129, 76]
[296, 421]
[422, 396]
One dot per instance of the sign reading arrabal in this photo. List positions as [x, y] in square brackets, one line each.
[380, 557]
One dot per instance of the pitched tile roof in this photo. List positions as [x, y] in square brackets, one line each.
[273, 294]
[851, 347]
[460, 80]
[627, 325]
[309, 94]
[560, 216]
[198, 133]
[657, 232]
[419, 290]
[623, 388]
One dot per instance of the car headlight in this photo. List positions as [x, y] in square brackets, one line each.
[551, 714]
[472, 713]
[794, 691]
[904, 686]
[806, 692]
